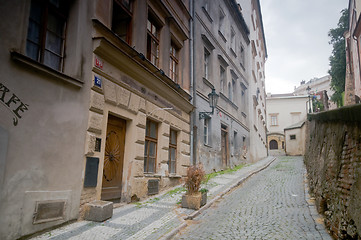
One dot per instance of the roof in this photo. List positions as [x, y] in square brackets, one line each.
[296, 125]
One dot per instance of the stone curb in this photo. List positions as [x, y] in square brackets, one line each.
[210, 203]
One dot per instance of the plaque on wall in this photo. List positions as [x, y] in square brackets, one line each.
[91, 172]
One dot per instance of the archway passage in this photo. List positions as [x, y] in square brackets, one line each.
[273, 144]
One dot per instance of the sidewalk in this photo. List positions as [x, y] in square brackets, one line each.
[157, 218]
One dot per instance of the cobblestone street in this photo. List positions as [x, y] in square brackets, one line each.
[270, 205]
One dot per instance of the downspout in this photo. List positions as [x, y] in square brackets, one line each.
[193, 126]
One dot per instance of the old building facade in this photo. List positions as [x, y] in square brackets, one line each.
[95, 105]
[251, 11]
[44, 91]
[221, 50]
[353, 55]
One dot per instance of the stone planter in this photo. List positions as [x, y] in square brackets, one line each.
[203, 199]
[192, 201]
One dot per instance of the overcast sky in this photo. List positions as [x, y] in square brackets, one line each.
[297, 40]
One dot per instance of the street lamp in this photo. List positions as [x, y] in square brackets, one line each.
[213, 99]
[309, 100]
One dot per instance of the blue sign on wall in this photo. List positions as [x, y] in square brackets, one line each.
[97, 81]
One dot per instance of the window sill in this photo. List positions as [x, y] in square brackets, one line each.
[222, 36]
[41, 68]
[207, 14]
[233, 52]
[174, 176]
[207, 82]
[152, 175]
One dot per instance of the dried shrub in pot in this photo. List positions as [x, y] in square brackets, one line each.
[195, 176]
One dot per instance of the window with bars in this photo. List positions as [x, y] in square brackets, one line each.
[153, 41]
[46, 32]
[150, 147]
[172, 162]
[122, 17]
[173, 62]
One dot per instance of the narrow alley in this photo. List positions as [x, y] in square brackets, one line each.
[271, 205]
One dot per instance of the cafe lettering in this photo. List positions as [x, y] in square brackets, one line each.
[12, 103]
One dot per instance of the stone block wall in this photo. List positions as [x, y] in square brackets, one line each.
[333, 161]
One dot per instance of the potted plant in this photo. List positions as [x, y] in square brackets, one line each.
[192, 198]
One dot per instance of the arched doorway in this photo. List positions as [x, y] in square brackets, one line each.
[273, 144]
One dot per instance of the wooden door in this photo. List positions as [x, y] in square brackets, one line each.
[113, 159]
[224, 145]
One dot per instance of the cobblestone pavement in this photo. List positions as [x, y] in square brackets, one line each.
[154, 218]
[270, 205]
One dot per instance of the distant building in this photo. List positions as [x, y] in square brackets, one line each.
[317, 87]
[285, 123]
[353, 54]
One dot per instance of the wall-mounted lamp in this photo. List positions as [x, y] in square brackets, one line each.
[213, 99]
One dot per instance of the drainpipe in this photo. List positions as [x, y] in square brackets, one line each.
[193, 140]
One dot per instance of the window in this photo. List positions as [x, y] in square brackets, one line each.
[233, 40]
[172, 163]
[206, 5]
[293, 137]
[230, 92]
[221, 21]
[122, 16]
[233, 90]
[173, 63]
[206, 63]
[242, 56]
[222, 74]
[46, 32]
[283, 145]
[152, 41]
[206, 131]
[150, 147]
[274, 121]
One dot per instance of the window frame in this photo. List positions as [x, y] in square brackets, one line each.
[150, 139]
[171, 161]
[274, 120]
[206, 130]
[206, 65]
[127, 11]
[153, 38]
[61, 13]
[174, 62]
[223, 78]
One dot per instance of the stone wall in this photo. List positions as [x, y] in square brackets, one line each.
[333, 161]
